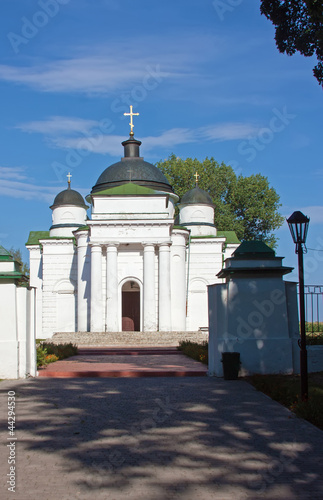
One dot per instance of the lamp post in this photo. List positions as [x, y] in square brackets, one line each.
[298, 225]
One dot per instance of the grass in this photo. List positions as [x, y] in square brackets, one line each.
[286, 390]
[47, 352]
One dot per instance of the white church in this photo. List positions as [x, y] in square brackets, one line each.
[128, 265]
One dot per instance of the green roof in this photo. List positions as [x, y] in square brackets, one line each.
[4, 254]
[254, 248]
[231, 237]
[12, 274]
[36, 236]
[82, 228]
[126, 189]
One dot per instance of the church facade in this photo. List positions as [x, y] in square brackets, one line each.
[128, 265]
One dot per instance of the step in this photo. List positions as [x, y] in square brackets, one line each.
[125, 362]
[123, 374]
[124, 351]
[127, 339]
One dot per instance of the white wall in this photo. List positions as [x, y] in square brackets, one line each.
[17, 331]
[257, 318]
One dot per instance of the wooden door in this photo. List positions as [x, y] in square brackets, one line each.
[131, 311]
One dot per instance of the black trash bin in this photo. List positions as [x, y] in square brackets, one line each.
[231, 365]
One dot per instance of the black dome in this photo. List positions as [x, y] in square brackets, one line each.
[69, 197]
[134, 169]
[196, 196]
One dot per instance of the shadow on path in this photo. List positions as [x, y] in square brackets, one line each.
[160, 438]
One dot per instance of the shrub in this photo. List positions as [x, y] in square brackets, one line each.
[50, 358]
[314, 339]
[47, 352]
[62, 351]
[41, 356]
[195, 350]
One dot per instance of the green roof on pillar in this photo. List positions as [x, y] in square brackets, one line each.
[254, 248]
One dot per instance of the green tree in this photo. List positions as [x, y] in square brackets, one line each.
[299, 28]
[24, 267]
[246, 205]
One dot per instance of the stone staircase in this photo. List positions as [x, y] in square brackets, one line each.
[127, 339]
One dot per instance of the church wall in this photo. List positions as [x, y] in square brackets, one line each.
[68, 214]
[35, 280]
[205, 263]
[178, 279]
[131, 207]
[124, 231]
[59, 284]
[196, 213]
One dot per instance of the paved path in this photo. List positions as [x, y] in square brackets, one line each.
[126, 362]
[156, 439]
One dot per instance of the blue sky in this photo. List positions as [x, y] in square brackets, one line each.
[205, 76]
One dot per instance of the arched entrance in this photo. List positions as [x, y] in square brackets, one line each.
[130, 307]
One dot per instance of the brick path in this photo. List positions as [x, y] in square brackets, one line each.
[161, 438]
[126, 362]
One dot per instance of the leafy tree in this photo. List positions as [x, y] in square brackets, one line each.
[246, 205]
[24, 267]
[299, 28]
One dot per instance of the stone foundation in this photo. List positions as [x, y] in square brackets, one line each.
[128, 339]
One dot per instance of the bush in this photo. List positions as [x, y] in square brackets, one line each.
[196, 351]
[47, 352]
[51, 358]
[314, 339]
[41, 356]
[62, 351]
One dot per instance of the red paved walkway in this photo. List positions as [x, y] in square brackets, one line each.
[126, 362]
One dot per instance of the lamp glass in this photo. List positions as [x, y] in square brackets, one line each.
[298, 225]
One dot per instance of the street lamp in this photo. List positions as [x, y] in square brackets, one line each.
[298, 225]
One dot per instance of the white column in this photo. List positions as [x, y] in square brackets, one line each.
[164, 298]
[112, 309]
[96, 289]
[149, 290]
[82, 306]
[178, 281]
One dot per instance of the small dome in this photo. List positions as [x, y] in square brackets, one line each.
[132, 168]
[69, 197]
[196, 196]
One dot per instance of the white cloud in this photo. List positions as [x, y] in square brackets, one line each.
[315, 213]
[27, 191]
[229, 131]
[59, 125]
[169, 138]
[93, 74]
[102, 144]
[110, 144]
[80, 134]
[15, 184]
[12, 173]
[118, 66]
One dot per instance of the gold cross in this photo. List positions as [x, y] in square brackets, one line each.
[69, 175]
[196, 177]
[131, 114]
